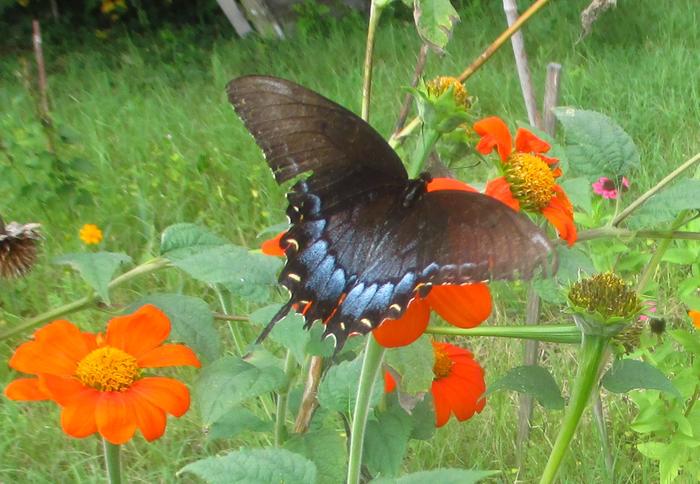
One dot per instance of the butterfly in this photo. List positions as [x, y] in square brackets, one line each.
[365, 239]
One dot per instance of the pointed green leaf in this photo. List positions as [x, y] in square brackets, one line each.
[386, 441]
[228, 382]
[414, 363]
[690, 341]
[441, 476]
[257, 466]
[533, 380]
[338, 388]
[327, 449]
[626, 375]
[596, 145]
[435, 20]
[572, 262]
[185, 239]
[423, 418]
[192, 322]
[96, 268]
[235, 421]
[665, 205]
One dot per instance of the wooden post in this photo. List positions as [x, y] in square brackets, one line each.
[263, 20]
[551, 97]
[518, 42]
[235, 16]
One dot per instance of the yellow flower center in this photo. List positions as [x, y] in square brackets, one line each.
[108, 369]
[606, 294]
[531, 180]
[439, 85]
[443, 363]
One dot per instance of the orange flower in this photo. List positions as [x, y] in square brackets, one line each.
[465, 306]
[529, 180]
[97, 380]
[695, 316]
[458, 385]
[91, 234]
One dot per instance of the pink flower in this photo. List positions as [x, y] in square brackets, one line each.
[650, 308]
[607, 188]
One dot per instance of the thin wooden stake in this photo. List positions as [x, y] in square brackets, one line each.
[408, 98]
[551, 97]
[263, 20]
[518, 42]
[41, 71]
[308, 400]
[236, 17]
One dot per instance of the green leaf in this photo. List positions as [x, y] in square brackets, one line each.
[435, 20]
[549, 290]
[441, 476]
[192, 322]
[184, 239]
[665, 205]
[414, 363]
[228, 264]
[290, 333]
[680, 255]
[596, 145]
[327, 449]
[689, 341]
[533, 380]
[256, 466]
[386, 441]
[626, 375]
[573, 261]
[579, 191]
[338, 388]
[235, 421]
[423, 418]
[228, 382]
[96, 268]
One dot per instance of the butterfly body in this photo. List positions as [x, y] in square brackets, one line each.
[364, 238]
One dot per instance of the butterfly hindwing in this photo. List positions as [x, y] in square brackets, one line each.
[361, 246]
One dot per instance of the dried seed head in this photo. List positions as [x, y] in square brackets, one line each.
[605, 295]
[18, 248]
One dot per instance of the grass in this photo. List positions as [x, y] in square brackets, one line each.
[154, 142]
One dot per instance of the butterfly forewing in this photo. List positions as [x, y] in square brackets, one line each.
[359, 248]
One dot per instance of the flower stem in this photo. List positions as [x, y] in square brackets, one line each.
[375, 12]
[612, 232]
[590, 358]
[656, 188]
[559, 333]
[84, 302]
[659, 254]
[426, 142]
[374, 353]
[281, 414]
[114, 470]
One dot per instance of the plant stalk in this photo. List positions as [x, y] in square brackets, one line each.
[655, 189]
[84, 302]
[590, 359]
[372, 362]
[112, 461]
[281, 414]
[426, 143]
[374, 14]
[559, 333]
[659, 254]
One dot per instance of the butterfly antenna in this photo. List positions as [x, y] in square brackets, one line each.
[275, 319]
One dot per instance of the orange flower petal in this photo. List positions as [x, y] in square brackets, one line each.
[389, 382]
[139, 332]
[78, 418]
[494, 133]
[550, 161]
[62, 389]
[169, 355]
[527, 142]
[464, 306]
[499, 189]
[695, 317]
[560, 213]
[437, 184]
[273, 246]
[149, 418]
[408, 328]
[441, 402]
[115, 417]
[26, 389]
[165, 393]
[56, 349]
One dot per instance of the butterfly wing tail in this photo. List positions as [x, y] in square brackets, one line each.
[284, 310]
